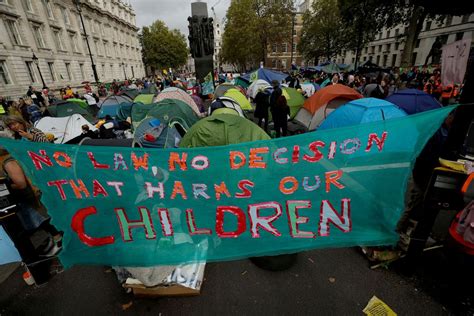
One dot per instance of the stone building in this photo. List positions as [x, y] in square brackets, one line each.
[387, 47]
[52, 31]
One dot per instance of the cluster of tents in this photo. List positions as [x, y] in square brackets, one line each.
[178, 112]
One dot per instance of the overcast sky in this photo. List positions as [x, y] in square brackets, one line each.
[173, 12]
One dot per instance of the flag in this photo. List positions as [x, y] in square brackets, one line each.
[254, 76]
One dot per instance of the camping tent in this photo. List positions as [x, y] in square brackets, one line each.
[241, 83]
[111, 105]
[294, 99]
[138, 112]
[171, 110]
[129, 93]
[169, 137]
[256, 86]
[65, 128]
[266, 74]
[240, 98]
[414, 101]
[362, 111]
[65, 108]
[222, 129]
[80, 102]
[144, 98]
[329, 93]
[177, 94]
[224, 87]
[323, 102]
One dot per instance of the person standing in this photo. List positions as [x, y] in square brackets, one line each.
[261, 109]
[280, 113]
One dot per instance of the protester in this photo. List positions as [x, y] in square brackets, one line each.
[28, 202]
[261, 110]
[280, 112]
[34, 112]
[23, 130]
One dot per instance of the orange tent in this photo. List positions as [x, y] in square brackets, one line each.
[329, 93]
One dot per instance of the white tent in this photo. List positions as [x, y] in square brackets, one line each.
[63, 128]
[253, 89]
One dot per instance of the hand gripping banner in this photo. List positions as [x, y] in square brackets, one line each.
[145, 207]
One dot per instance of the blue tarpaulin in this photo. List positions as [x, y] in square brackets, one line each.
[267, 75]
[7, 249]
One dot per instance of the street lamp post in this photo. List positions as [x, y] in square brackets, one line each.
[293, 16]
[36, 61]
[94, 69]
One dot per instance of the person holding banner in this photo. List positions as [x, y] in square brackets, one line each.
[27, 202]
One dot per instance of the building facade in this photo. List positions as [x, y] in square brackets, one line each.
[53, 32]
[280, 56]
[387, 48]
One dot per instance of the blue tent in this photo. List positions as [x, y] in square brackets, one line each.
[267, 75]
[361, 111]
[111, 105]
[414, 101]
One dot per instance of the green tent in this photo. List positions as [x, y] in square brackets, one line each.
[238, 97]
[294, 99]
[64, 109]
[139, 112]
[171, 110]
[81, 102]
[223, 127]
[144, 98]
[331, 68]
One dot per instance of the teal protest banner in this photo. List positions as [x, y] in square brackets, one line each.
[143, 207]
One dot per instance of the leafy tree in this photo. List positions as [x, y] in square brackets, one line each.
[359, 21]
[324, 32]
[163, 48]
[251, 26]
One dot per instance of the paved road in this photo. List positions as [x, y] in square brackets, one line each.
[233, 288]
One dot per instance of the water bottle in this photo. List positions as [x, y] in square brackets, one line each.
[152, 134]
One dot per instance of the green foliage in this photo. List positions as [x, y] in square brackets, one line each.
[163, 48]
[251, 26]
[324, 31]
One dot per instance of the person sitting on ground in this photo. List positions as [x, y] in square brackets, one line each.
[23, 130]
[86, 132]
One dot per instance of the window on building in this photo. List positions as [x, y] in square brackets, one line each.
[30, 70]
[389, 46]
[284, 47]
[65, 14]
[79, 23]
[417, 44]
[294, 47]
[365, 58]
[378, 60]
[3, 1]
[38, 32]
[380, 48]
[428, 26]
[13, 31]
[58, 40]
[274, 48]
[107, 50]
[449, 20]
[372, 50]
[365, 50]
[49, 8]
[52, 71]
[465, 18]
[84, 45]
[385, 59]
[413, 59]
[444, 38]
[394, 59]
[459, 36]
[396, 32]
[93, 25]
[68, 71]
[72, 38]
[28, 5]
[81, 68]
[103, 70]
[397, 45]
[4, 75]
